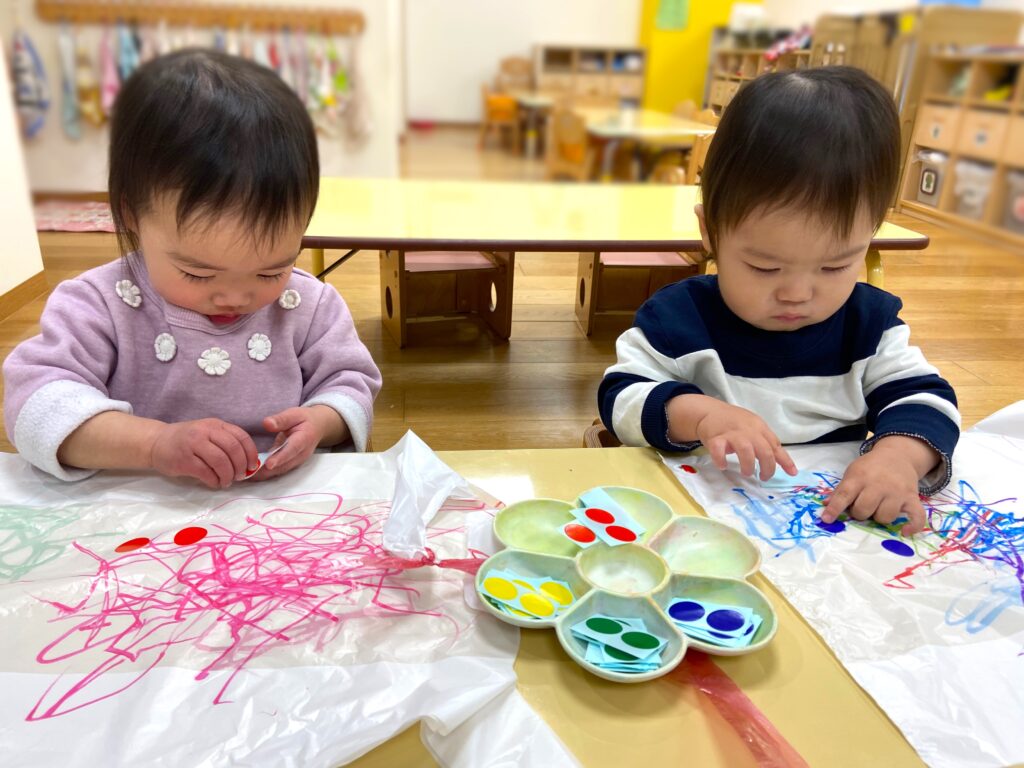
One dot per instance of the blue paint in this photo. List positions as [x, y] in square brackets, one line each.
[686, 610]
[898, 547]
[836, 526]
[725, 620]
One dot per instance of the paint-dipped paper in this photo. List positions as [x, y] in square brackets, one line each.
[256, 638]
[945, 608]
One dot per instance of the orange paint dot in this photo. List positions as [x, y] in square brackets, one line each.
[580, 533]
[132, 544]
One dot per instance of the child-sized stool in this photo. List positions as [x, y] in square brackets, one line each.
[436, 285]
[618, 283]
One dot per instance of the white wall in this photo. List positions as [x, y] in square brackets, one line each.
[55, 163]
[454, 46]
[19, 247]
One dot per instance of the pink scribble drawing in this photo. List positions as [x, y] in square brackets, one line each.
[291, 575]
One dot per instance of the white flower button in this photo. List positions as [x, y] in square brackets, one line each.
[166, 347]
[215, 361]
[129, 293]
[290, 299]
[259, 347]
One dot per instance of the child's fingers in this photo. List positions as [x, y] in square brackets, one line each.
[785, 460]
[286, 419]
[232, 448]
[867, 503]
[842, 497]
[765, 459]
[286, 455]
[918, 518]
[717, 450]
[247, 443]
[888, 510]
[214, 457]
[745, 453]
[198, 469]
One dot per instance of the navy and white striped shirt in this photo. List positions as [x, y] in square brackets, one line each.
[833, 381]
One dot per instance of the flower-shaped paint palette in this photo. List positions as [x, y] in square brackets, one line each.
[672, 558]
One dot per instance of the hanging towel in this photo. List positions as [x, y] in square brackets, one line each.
[127, 51]
[31, 92]
[70, 113]
[109, 82]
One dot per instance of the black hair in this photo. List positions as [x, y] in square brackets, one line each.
[226, 135]
[826, 139]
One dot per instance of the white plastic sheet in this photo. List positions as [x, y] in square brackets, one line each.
[284, 633]
[932, 627]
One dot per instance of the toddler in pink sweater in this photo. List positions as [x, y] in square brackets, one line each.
[204, 344]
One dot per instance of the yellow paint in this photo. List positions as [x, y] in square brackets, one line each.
[499, 588]
[537, 605]
[556, 592]
[677, 60]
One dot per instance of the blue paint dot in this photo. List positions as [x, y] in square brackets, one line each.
[770, 498]
[898, 548]
[686, 610]
[721, 635]
[725, 620]
[836, 526]
[749, 630]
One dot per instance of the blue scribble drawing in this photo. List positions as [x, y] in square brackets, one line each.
[962, 528]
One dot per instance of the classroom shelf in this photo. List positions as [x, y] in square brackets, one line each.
[615, 74]
[981, 141]
[734, 66]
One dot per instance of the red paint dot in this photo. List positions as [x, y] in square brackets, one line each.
[600, 516]
[190, 535]
[688, 469]
[580, 533]
[619, 533]
[254, 470]
[132, 544]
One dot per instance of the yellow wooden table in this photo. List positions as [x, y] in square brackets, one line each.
[429, 215]
[795, 681]
[611, 126]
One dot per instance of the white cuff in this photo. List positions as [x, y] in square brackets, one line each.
[53, 412]
[351, 412]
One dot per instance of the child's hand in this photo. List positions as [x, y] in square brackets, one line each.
[302, 430]
[883, 484]
[212, 451]
[726, 429]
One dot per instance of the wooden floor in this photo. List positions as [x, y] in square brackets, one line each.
[454, 386]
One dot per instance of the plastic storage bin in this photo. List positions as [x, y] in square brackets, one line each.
[972, 188]
[933, 169]
[1013, 218]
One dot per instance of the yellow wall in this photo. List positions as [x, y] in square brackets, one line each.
[677, 60]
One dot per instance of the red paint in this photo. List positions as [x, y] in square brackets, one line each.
[579, 533]
[688, 469]
[132, 544]
[620, 533]
[189, 535]
[289, 576]
[251, 472]
[600, 516]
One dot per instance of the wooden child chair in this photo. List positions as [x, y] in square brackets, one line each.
[699, 150]
[500, 113]
[618, 283]
[569, 152]
[598, 435]
[435, 285]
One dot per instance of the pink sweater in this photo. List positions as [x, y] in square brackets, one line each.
[108, 342]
